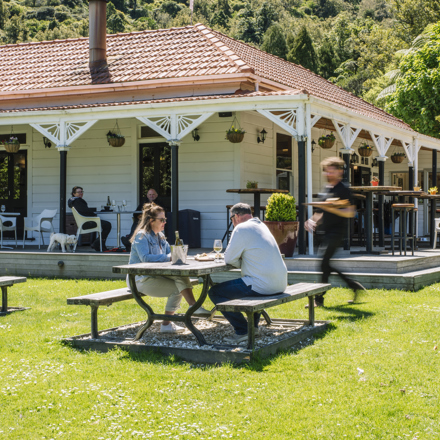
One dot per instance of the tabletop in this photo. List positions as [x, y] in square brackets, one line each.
[375, 188]
[118, 212]
[192, 268]
[429, 196]
[257, 190]
[10, 213]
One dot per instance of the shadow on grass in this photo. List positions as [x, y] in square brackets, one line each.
[348, 313]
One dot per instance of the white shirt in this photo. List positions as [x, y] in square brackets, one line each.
[254, 249]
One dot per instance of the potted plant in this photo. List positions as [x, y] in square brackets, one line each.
[251, 184]
[281, 221]
[115, 139]
[12, 145]
[326, 142]
[433, 190]
[235, 135]
[397, 157]
[374, 181]
[365, 150]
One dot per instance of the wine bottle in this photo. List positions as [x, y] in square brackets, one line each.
[179, 242]
[108, 201]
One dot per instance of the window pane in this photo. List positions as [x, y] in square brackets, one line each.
[283, 179]
[4, 192]
[284, 151]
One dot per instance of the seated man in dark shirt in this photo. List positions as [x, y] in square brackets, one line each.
[333, 221]
[152, 197]
[77, 202]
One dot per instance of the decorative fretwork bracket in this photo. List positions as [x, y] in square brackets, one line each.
[411, 150]
[291, 120]
[347, 133]
[63, 133]
[382, 143]
[174, 127]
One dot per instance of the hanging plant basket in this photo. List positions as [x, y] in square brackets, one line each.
[235, 133]
[397, 158]
[114, 136]
[116, 142]
[365, 152]
[235, 138]
[327, 144]
[12, 147]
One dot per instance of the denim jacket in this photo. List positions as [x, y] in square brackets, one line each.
[146, 248]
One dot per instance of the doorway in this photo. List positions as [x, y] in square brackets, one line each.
[155, 171]
[13, 186]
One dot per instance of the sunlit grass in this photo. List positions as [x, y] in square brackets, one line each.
[373, 375]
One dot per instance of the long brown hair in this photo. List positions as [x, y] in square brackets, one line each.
[150, 211]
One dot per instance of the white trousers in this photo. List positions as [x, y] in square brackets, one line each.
[164, 287]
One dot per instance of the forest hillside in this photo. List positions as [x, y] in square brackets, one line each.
[385, 51]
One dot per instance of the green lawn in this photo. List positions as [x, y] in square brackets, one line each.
[49, 390]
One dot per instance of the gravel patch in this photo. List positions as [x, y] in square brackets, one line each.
[214, 332]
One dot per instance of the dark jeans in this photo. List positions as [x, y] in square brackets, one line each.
[234, 289]
[105, 225]
[133, 227]
[331, 241]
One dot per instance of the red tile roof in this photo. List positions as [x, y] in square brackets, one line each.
[167, 53]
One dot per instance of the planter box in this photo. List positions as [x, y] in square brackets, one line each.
[286, 235]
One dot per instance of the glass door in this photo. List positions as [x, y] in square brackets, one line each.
[13, 186]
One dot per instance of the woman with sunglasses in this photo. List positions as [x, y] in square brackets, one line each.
[149, 245]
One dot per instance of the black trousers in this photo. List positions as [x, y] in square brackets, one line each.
[331, 242]
[105, 225]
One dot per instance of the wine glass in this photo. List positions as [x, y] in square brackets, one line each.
[124, 204]
[218, 246]
[3, 208]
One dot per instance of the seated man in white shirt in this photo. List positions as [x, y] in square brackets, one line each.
[253, 249]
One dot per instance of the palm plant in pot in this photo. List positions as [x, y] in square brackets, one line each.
[281, 221]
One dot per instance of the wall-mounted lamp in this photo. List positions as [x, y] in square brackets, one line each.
[47, 143]
[263, 136]
[313, 145]
[195, 134]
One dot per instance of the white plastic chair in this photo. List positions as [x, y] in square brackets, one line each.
[80, 220]
[41, 223]
[437, 228]
[13, 220]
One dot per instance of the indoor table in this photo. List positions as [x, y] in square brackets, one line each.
[369, 191]
[257, 195]
[192, 268]
[118, 221]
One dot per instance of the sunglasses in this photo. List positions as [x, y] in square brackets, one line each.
[232, 216]
[163, 220]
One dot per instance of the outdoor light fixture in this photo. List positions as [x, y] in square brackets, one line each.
[47, 143]
[313, 145]
[263, 136]
[195, 134]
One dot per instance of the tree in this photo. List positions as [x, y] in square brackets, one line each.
[303, 52]
[14, 29]
[328, 61]
[2, 15]
[274, 41]
[116, 22]
[418, 89]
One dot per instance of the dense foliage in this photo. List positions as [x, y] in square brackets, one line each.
[353, 43]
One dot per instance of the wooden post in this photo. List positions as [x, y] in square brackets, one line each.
[301, 196]
[175, 188]
[433, 201]
[346, 179]
[63, 189]
[381, 225]
[411, 199]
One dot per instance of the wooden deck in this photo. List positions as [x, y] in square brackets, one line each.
[376, 271]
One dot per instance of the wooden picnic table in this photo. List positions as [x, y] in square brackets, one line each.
[257, 193]
[192, 268]
[6, 282]
[369, 191]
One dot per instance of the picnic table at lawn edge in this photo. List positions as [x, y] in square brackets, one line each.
[194, 268]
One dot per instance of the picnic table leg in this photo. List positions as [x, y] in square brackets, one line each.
[266, 317]
[251, 330]
[312, 310]
[94, 321]
[200, 338]
[4, 299]
[143, 304]
[257, 204]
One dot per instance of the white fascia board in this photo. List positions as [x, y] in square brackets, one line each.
[347, 116]
[154, 109]
[428, 142]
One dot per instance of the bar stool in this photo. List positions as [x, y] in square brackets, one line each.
[403, 209]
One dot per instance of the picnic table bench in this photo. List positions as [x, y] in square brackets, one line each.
[250, 305]
[107, 298]
[6, 282]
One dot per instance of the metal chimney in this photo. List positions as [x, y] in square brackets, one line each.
[97, 33]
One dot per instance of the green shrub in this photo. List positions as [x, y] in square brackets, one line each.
[281, 208]
[45, 13]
